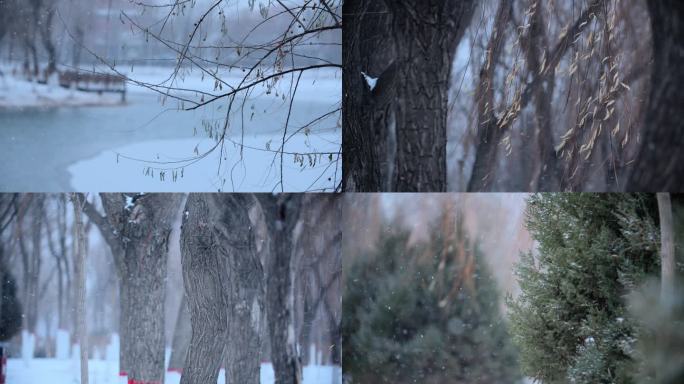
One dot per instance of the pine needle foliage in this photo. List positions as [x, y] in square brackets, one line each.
[571, 321]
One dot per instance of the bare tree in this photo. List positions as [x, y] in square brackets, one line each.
[395, 130]
[137, 228]
[79, 266]
[59, 251]
[223, 284]
[318, 271]
[7, 9]
[45, 26]
[281, 214]
[488, 134]
[30, 206]
[7, 215]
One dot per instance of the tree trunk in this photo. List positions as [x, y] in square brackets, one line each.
[667, 249]
[181, 337]
[124, 345]
[2, 285]
[335, 326]
[48, 44]
[489, 133]
[548, 176]
[36, 261]
[222, 277]
[660, 164]
[80, 294]
[396, 130]
[63, 253]
[30, 257]
[243, 362]
[144, 323]
[281, 214]
[137, 229]
[77, 48]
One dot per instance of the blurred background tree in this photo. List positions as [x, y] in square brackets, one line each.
[425, 312]
[660, 346]
[10, 307]
[10, 312]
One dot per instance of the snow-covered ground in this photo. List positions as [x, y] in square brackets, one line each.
[54, 371]
[19, 93]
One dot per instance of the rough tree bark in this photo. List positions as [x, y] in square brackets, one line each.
[181, 337]
[660, 164]
[137, 228]
[223, 278]
[395, 133]
[80, 294]
[281, 214]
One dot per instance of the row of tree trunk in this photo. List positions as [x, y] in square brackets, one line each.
[228, 288]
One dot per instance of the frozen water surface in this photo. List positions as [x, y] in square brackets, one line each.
[64, 148]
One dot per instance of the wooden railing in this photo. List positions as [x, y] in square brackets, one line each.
[93, 82]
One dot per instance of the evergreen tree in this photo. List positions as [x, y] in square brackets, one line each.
[570, 320]
[426, 313]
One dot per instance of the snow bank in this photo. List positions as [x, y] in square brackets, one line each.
[19, 93]
[104, 372]
[256, 169]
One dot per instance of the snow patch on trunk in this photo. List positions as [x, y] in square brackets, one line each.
[256, 315]
[370, 81]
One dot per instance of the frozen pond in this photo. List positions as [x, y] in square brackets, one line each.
[68, 148]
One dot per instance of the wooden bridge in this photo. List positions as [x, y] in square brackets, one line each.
[93, 82]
